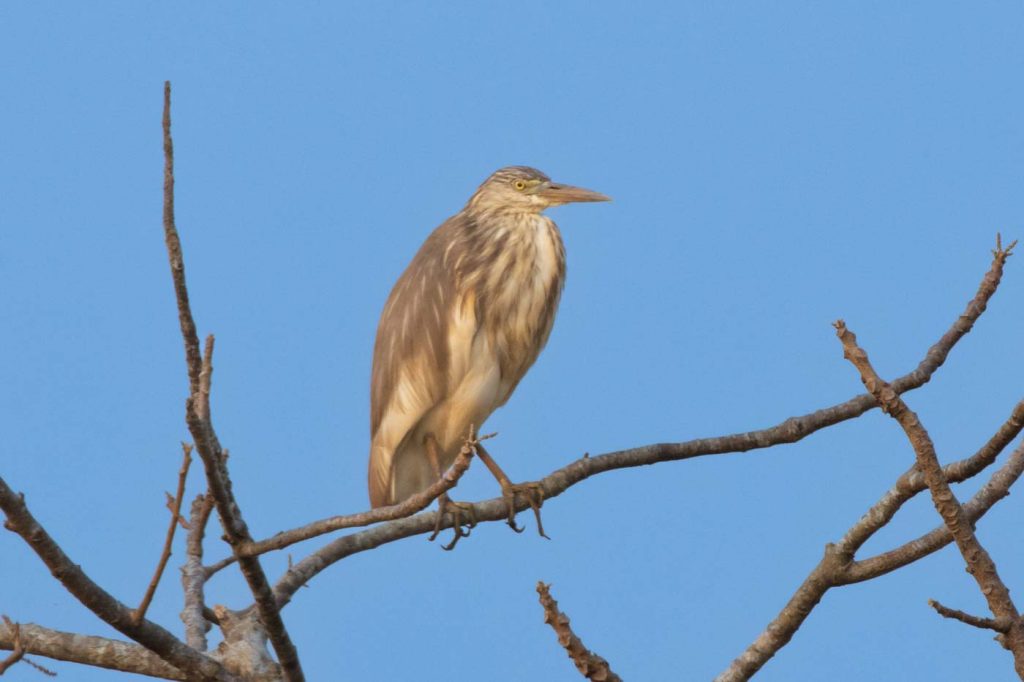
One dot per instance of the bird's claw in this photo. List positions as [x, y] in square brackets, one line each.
[457, 510]
[534, 494]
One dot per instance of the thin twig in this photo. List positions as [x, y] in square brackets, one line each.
[964, 617]
[590, 665]
[979, 564]
[165, 555]
[197, 416]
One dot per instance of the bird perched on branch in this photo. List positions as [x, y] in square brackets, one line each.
[462, 325]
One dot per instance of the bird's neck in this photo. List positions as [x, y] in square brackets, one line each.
[517, 248]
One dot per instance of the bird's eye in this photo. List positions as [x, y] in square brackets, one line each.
[520, 185]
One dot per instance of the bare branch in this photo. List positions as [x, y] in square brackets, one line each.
[100, 652]
[979, 564]
[784, 626]
[999, 625]
[18, 651]
[165, 555]
[997, 487]
[188, 325]
[837, 568]
[197, 416]
[97, 600]
[193, 575]
[590, 665]
[912, 482]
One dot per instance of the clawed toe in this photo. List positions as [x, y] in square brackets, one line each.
[534, 494]
[463, 520]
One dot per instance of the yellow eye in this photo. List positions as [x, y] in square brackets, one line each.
[519, 185]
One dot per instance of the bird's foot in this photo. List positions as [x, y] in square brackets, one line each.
[533, 492]
[458, 511]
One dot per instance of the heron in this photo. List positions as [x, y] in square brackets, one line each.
[461, 327]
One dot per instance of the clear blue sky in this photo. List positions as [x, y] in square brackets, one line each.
[774, 166]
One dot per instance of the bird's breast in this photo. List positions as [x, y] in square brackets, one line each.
[520, 294]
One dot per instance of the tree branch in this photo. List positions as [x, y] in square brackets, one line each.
[912, 481]
[17, 649]
[837, 566]
[100, 652]
[590, 665]
[410, 506]
[193, 575]
[188, 325]
[979, 564]
[197, 416]
[974, 621]
[997, 487]
[97, 600]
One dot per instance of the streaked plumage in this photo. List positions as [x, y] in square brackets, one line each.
[462, 325]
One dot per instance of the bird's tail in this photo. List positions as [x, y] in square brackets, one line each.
[379, 476]
[398, 475]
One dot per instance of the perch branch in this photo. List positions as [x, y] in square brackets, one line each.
[789, 431]
[410, 506]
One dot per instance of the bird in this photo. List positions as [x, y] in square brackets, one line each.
[462, 325]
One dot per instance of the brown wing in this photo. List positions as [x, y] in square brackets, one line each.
[410, 357]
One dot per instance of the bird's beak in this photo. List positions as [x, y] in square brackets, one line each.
[555, 194]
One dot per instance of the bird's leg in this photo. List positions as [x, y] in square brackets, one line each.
[445, 505]
[533, 491]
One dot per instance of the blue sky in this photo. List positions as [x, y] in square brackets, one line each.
[774, 166]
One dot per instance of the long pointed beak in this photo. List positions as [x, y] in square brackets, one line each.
[557, 193]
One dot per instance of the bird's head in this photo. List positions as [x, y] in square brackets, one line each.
[525, 189]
